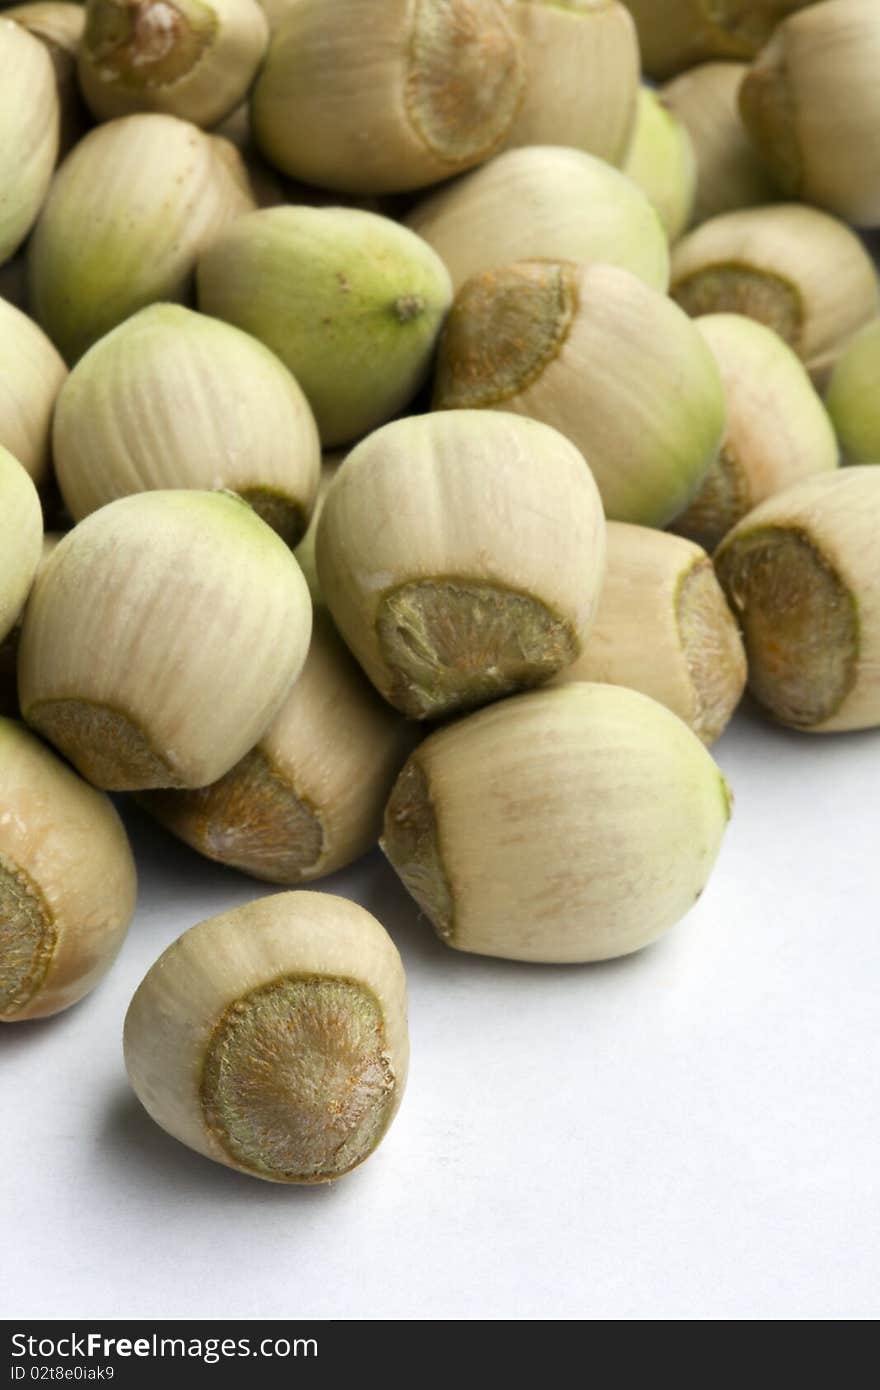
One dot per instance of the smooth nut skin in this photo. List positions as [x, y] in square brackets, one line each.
[316, 1084]
[191, 58]
[21, 538]
[461, 554]
[380, 96]
[67, 881]
[543, 201]
[162, 638]
[582, 76]
[350, 301]
[137, 402]
[566, 825]
[29, 132]
[126, 217]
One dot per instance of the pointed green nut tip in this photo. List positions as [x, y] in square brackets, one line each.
[371, 298]
[408, 307]
[144, 45]
[147, 508]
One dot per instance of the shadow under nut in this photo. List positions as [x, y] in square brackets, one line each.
[273, 1038]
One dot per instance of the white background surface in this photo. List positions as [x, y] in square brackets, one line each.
[691, 1133]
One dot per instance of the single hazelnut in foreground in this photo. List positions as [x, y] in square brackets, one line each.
[566, 825]
[162, 638]
[800, 572]
[461, 556]
[67, 880]
[663, 627]
[273, 1038]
